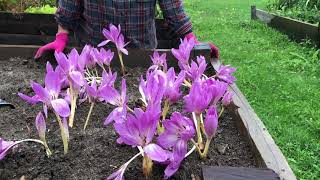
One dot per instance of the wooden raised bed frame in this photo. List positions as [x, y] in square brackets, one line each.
[267, 154]
[295, 29]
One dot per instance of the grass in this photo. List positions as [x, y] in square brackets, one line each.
[280, 78]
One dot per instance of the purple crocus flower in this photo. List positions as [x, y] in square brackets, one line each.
[178, 131]
[138, 129]
[71, 69]
[177, 128]
[114, 35]
[153, 89]
[224, 74]
[5, 146]
[49, 95]
[112, 96]
[196, 70]
[216, 88]
[198, 98]
[85, 58]
[227, 98]
[108, 79]
[183, 53]
[172, 91]
[41, 126]
[211, 122]
[92, 90]
[102, 57]
[159, 60]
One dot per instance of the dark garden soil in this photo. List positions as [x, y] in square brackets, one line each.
[93, 154]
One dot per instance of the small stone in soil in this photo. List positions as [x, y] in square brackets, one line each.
[222, 148]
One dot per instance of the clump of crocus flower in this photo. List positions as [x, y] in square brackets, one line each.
[114, 35]
[161, 135]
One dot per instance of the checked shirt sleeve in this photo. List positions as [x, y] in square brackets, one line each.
[175, 15]
[68, 13]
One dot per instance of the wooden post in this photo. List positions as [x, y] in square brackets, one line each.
[253, 12]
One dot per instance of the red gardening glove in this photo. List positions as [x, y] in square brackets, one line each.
[58, 45]
[214, 49]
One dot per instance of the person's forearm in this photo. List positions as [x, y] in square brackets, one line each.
[62, 30]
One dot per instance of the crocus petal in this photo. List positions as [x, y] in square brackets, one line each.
[117, 115]
[118, 175]
[49, 67]
[227, 98]
[62, 60]
[5, 146]
[77, 78]
[41, 92]
[211, 122]
[41, 125]
[110, 95]
[156, 153]
[31, 100]
[61, 107]
[53, 83]
[103, 43]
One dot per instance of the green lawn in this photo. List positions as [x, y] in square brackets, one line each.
[280, 78]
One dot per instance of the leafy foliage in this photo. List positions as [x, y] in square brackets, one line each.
[284, 92]
[306, 10]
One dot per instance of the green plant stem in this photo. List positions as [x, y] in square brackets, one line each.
[63, 135]
[222, 109]
[89, 115]
[121, 62]
[206, 149]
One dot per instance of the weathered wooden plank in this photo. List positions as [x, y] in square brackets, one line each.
[295, 29]
[267, 153]
[136, 57]
[237, 173]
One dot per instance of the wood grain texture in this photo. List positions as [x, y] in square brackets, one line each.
[267, 153]
[237, 173]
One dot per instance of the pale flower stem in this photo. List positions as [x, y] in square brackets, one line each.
[95, 70]
[121, 62]
[197, 146]
[73, 98]
[206, 149]
[191, 151]
[200, 140]
[221, 111]
[88, 117]
[63, 135]
[48, 152]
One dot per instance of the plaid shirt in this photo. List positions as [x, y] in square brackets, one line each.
[87, 18]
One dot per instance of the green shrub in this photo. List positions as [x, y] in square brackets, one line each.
[306, 10]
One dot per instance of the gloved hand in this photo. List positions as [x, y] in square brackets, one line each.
[214, 49]
[58, 45]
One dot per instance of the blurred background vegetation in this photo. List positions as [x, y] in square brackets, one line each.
[30, 6]
[306, 10]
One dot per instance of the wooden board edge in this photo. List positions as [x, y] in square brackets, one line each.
[257, 133]
[311, 31]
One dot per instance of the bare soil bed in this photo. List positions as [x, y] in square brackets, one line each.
[93, 154]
